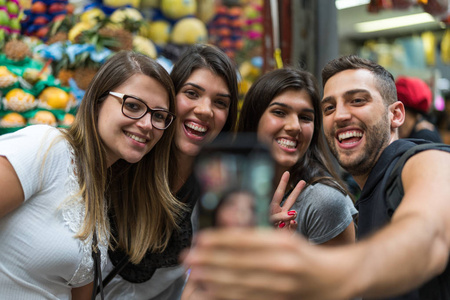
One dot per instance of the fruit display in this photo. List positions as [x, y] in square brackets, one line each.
[29, 94]
[226, 29]
[42, 13]
[9, 17]
[59, 45]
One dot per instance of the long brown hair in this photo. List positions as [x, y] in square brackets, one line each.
[137, 194]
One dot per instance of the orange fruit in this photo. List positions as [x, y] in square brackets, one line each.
[38, 7]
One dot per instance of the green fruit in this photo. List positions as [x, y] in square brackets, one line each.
[2, 2]
[12, 7]
[4, 18]
[14, 24]
[2, 34]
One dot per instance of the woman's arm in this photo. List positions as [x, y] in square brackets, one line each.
[12, 195]
[83, 292]
[345, 237]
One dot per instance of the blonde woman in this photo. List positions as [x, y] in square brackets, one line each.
[59, 185]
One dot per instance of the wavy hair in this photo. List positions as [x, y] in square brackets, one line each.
[136, 195]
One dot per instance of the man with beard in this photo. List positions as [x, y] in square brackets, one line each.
[361, 120]
[402, 253]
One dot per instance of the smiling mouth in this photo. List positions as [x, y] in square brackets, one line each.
[195, 129]
[290, 144]
[350, 137]
[136, 138]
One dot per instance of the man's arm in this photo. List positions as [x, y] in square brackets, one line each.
[415, 246]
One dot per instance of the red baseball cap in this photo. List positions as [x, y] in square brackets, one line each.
[414, 93]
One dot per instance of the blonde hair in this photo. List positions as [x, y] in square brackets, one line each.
[137, 195]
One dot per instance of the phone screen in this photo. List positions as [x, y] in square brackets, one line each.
[235, 175]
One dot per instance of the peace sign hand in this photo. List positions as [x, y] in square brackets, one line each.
[281, 215]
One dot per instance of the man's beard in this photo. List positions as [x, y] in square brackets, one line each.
[377, 138]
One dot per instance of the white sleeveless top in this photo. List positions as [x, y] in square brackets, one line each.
[40, 257]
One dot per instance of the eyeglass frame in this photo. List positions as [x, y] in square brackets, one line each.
[149, 110]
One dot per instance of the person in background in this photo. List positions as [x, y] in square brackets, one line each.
[402, 252]
[417, 98]
[57, 185]
[205, 81]
[283, 108]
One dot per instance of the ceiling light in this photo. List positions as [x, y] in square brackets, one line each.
[343, 4]
[396, 22]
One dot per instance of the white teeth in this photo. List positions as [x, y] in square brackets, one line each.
[287, 143]
[349, 134]
[136, 138]
[196, 127]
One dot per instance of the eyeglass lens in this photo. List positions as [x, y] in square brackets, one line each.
[136, 109]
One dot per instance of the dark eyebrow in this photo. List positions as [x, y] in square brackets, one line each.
[346, 94]
[202, 89]
[280, 104]
[289, 107]
[194, 85]
[137, 98]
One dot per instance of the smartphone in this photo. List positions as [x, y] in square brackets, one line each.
[235, 174]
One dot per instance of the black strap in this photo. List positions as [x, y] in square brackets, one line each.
[394, 186]
[117, 269]
[96, 255]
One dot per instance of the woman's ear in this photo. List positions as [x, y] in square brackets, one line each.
[397, 114]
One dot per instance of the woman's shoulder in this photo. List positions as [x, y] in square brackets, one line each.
[323, 190]
[320, 194]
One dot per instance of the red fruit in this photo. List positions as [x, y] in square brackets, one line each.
[58, 18]
[70, 8]
[42, 32]
[38, 7]
[40, 20]
[56, 7]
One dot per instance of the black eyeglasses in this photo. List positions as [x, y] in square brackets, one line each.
[135, 108]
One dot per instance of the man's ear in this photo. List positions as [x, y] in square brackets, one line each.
[397, 114]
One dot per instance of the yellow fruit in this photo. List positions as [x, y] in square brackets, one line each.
[13, 120]
[6, 77]
[145, 46]
[159, 32]
[119, 15]
[206, 10]
[189, 31]
[144, 29]
[445, 47]
[176, 9]
[19, 100]
[68, 120]
[429, 46]
[120, 3]
[53, 98]
[92, 16]
[43, 117]
[77, 29]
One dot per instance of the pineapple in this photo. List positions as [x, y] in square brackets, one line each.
[59, 37]
[16, 50]
[64, 75]
[122, 39]
[83, 76]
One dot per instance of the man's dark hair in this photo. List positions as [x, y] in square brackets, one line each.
[384, 81]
